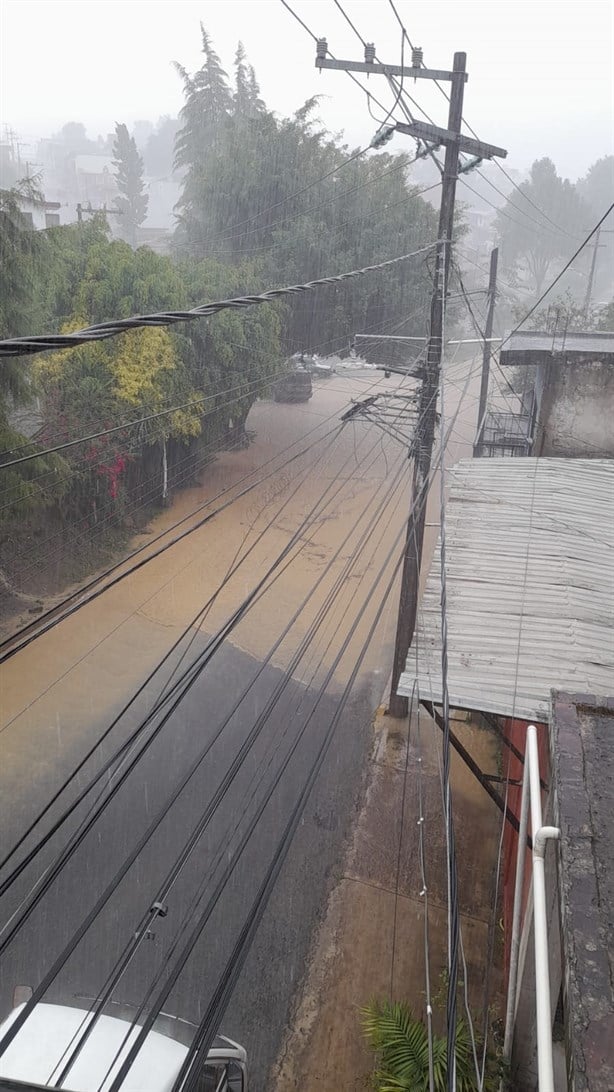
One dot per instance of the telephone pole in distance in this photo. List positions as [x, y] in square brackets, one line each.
[490, 314]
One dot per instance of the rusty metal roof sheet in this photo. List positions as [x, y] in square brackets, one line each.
[530, 588]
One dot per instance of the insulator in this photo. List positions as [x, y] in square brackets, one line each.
[417, 56]
[369, 52]
[321, 49]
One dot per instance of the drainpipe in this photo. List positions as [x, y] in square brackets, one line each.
[541, 835]
[531, 794]
[512, 989]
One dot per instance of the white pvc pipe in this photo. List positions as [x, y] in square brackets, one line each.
[512, 988]
[540, 923]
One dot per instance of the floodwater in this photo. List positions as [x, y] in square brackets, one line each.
[335, 500]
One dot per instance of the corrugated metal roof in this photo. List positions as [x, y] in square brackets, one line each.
[572, 341]
[554, 519]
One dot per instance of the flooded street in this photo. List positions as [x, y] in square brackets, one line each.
[270, 664]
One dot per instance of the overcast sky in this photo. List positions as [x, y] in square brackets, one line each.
[540, 71]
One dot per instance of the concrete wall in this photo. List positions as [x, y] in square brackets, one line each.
[576, 406]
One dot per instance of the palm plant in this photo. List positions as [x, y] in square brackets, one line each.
[400, 1042]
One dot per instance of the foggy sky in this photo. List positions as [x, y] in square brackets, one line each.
[540, 71]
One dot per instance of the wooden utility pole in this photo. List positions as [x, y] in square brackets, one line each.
[454, 142]
[427, 403]
[492, 293]
[591, 276]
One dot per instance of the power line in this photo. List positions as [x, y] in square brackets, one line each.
[36, 344]
[193, 625]
[50, 618]
[90, 651]
[473, 132]
[532, 202]
[242, 947]
[500, 211]
[542, 227]
[242, 388]
[105, 432]
[194, 671]
[210, 1022]
[306, 644]
[112, 886]
[36, 624]
[51, 873]
[401, 92]
[452, 872]
[331, 55]
[128, 742]
[337, 228]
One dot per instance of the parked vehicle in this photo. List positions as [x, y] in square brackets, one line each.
[296, 386]
[35, 1057]
[322, 371]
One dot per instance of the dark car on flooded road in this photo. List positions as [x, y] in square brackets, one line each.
[295, 386]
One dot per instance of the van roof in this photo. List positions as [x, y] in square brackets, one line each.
[48, 1033]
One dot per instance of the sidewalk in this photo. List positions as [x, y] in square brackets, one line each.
[371, 942]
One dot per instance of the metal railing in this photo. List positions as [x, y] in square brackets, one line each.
[505, 433]
[531, 796]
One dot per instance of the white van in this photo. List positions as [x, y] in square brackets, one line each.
[35, 1057]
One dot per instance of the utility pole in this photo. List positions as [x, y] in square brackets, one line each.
[454, 142]
[427, 404]
[591, 276]
[492, 293]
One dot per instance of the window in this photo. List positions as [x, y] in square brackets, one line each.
[52, 219]
[221, 1077]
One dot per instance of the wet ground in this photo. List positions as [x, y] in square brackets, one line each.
[337, 508]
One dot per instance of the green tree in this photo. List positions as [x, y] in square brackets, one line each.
[242, 88]
[207, 107]
[246, 99]
[132, 203]
[400, 1043]
[530, 245]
